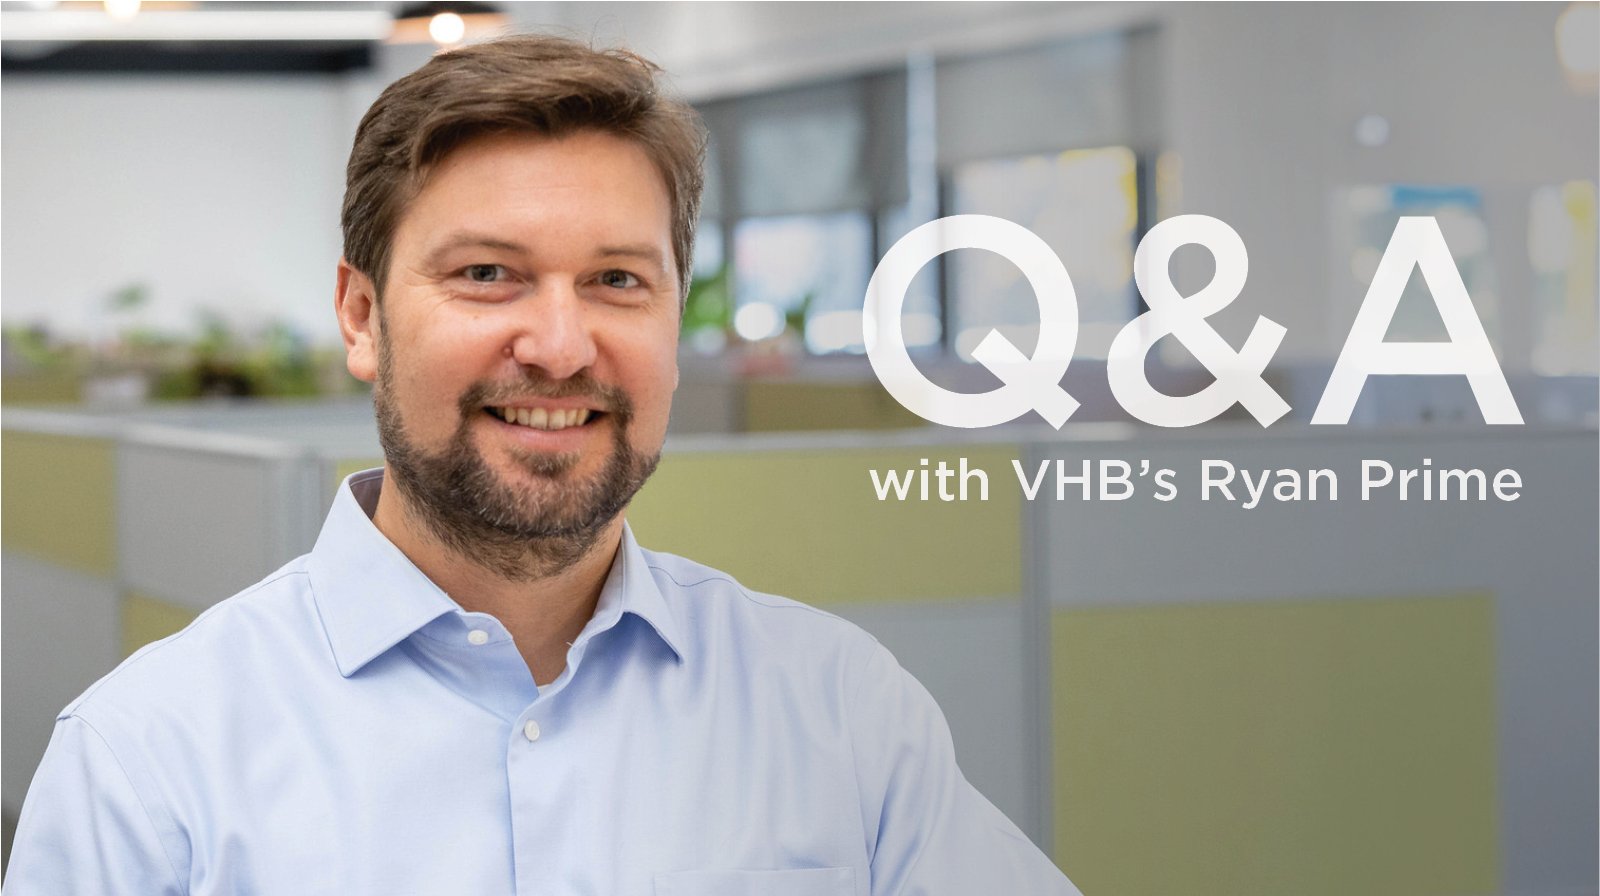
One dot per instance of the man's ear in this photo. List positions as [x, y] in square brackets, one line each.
[355, 300]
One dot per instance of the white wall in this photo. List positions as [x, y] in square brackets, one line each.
[218, 193]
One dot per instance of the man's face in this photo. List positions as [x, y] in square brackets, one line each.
[526, 346]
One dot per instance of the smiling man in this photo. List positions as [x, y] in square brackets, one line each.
[477, 682]
[524, 354]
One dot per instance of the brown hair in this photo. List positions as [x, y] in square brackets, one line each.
[541, 84]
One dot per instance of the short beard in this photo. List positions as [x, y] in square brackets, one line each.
[516, 534]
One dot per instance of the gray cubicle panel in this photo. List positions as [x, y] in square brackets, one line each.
[119, 530]
[1329, 696]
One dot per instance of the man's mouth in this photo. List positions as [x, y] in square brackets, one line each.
[543, 418]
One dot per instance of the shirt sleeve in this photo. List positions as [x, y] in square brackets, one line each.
[84, 829]
[931, 833]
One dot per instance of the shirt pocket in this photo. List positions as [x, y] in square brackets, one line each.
[802, 882]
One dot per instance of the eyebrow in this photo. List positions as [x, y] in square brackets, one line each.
[641, 251]
[464, 240]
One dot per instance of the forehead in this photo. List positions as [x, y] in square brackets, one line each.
[585, 185]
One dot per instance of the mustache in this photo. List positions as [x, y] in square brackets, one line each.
[535, 384]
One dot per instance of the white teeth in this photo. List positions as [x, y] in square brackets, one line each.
[544, 418]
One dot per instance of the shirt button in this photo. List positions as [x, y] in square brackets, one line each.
[478, 636]
[531, 730]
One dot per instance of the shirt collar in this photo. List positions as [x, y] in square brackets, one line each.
[631, 588]
[371, 597]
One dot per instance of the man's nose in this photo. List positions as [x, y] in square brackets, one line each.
[555, 334]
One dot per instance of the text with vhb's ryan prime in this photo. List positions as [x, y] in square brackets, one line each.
[1212, 479]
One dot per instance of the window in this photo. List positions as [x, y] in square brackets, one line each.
[807, 271]
[920, 323]
[814, 183]
[1368, 219]
[708, 312]
[804, 173]
[1561, 248]
[1084, 204]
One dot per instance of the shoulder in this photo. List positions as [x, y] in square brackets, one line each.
[209, 659]
[721, 613]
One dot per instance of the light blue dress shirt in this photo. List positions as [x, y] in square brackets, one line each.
[344, 727]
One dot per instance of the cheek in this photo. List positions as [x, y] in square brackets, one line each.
[651, 378]
[429, 376]
[642, 357]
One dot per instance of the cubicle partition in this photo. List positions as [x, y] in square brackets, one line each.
[1311, 697]
[1330, 697]
[119, 530]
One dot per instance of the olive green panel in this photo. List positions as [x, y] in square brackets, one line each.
[60, 499]
[349, 465]
[146, 619]
[808, 524]
[1308, 747]
[772, 406]
[42, 388]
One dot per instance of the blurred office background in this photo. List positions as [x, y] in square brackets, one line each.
[1312, 698]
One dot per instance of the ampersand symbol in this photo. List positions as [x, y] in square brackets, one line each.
[1238, 374]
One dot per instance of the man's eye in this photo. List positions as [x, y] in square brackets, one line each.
[619, 279]
[485, 273]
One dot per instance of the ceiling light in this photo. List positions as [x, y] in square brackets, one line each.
[446, 29]
[122, 10]
[446, 24]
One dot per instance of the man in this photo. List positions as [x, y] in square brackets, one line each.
[477, 682]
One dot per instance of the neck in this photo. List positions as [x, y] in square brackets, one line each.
[544, 611]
